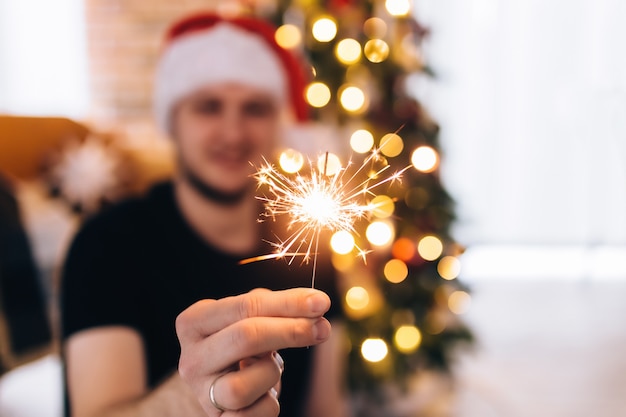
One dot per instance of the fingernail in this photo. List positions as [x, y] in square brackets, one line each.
[319, 303]
[273, 393]
[279, 361]
[321, 329]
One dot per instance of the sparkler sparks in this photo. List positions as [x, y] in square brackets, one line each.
[326, 199]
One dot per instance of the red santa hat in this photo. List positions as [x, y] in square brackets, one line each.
[206, 48]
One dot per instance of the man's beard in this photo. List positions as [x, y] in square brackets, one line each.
[224, 198]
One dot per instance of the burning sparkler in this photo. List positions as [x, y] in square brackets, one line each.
[324, 200]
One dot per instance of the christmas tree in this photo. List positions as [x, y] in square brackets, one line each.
[404, 302]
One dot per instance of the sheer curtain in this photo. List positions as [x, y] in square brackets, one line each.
[531, 97]
[43, 58]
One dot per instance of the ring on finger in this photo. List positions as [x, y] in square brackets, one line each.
[214, 402]
[279, 361]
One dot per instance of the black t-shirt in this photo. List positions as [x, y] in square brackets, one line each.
[139, 264]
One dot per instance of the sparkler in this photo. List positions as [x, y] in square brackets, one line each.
[320, 201]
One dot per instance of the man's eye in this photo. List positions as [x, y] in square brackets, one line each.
[208, 107]
[259, 109]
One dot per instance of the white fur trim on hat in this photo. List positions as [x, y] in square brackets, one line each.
[224, 53]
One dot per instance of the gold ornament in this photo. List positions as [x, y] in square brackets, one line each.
[376, 50]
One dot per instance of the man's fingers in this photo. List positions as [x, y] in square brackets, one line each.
[240, 389]
[258, 335]
[266, 406]
[225, 335]
[251, 337]
[209, 316]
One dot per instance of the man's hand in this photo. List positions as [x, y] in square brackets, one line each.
[228, 346]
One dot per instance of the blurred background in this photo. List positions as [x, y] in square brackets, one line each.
[510, 230]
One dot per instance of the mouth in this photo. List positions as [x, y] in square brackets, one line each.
[231, 158]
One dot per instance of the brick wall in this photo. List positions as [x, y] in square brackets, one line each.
[124, 37]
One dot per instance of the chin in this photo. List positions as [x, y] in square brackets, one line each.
[221, 172]
[226, 176]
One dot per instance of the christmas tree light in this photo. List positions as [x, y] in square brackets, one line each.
[407, 338]
[374, 349]
[361, 141]
[288, 36]
[318, 94]
[357, 298]
[425, 159]
[395, 271]
[348, 51]
[324, 29]
[398, 7]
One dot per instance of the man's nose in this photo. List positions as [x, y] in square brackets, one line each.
[233, 129]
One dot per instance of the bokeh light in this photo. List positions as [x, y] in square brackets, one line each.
[449, 267]
[395, 271]
[459, 302]
[352, 98]
[403, 249]
[379, 233]
[324, 29]
[361, 141]
[374, 350]
[425, 159]
[342, 242]
[376, 50]
[407, 338]
[375, 27]
[318, 94]
[382, 206]
[291, 161]
[357, 298]
[430, 247]
[329, 164]
[398, 7]
[348, 51]
[391, 145]
[288, 36]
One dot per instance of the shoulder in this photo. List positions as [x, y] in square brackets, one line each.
[125, 218]
[114, 236]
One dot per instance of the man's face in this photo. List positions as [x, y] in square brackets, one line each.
[220, 129]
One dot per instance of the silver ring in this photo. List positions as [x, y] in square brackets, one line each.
[212, 396]
[279, 361]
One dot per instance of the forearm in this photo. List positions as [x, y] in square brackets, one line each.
[173, 398]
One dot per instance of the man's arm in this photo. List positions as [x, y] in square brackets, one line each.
[106, 376]
[106, 366]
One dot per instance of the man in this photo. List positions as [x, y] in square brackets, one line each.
[224, 91]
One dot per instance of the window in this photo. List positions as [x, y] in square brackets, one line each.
[531, 97]
[43, 58]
